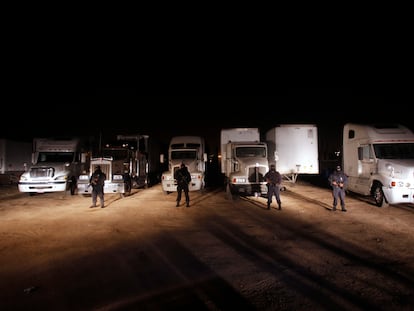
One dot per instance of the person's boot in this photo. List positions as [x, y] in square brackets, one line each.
[280, 206]
[334, 209]
[178, 204]
[188, 204]
[343, 209]
[268, 205]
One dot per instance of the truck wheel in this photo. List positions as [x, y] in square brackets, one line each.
[379, 196]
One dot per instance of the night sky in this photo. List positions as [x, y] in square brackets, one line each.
[112, 111]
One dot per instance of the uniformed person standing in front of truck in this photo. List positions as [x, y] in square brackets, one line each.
[97, 181]
[338, 181]
[183, 178]
[273, 179]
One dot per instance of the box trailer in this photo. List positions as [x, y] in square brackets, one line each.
[293, 149]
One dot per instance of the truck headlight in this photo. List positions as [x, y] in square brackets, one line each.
[118, 177]
[83, 177]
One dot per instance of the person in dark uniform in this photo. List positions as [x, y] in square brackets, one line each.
[97, 181]
[183, 178]
[338, 181]
[273, 179]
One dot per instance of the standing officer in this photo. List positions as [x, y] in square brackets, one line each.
[183, 178]
[97, 181]
[338, 181]
[273, 179]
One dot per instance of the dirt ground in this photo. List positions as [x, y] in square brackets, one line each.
[142, 253]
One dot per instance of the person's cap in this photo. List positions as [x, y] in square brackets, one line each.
[98, 167]
[272, 166]
[182, 164]
[338, 168]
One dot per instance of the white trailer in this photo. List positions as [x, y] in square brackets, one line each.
[15, 158]
[379, 162]
[243, 161]
[189, 150]
[293, 149]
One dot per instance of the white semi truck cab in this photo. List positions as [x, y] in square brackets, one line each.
[244, 161]
[379, 162]
[189, 150]
[56, 166]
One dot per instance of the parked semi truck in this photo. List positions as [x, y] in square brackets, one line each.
[293, 149]
[244, 161]
[127, 162]
[191, 151]
[56, 166]
[379, 162]
[15, 158]
[116, 180]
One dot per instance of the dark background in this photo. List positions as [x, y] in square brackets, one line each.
[88, 111]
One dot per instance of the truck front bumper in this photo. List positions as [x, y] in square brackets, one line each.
[108, 188]
[248, 189]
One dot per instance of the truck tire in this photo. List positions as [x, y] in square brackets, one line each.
[379, 196]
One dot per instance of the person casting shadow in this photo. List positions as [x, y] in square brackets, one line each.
[273, 179]
[183, 178]
[97, 181]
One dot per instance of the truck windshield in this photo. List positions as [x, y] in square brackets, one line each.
[183, 154]
[55, 157]
[394, 151]
[248, 152]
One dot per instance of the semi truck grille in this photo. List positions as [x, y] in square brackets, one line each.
[105, 168]
[42, 172]
[256, 174]
[175, 169]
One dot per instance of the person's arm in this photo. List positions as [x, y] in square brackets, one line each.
[279, 178]
[332, 180]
